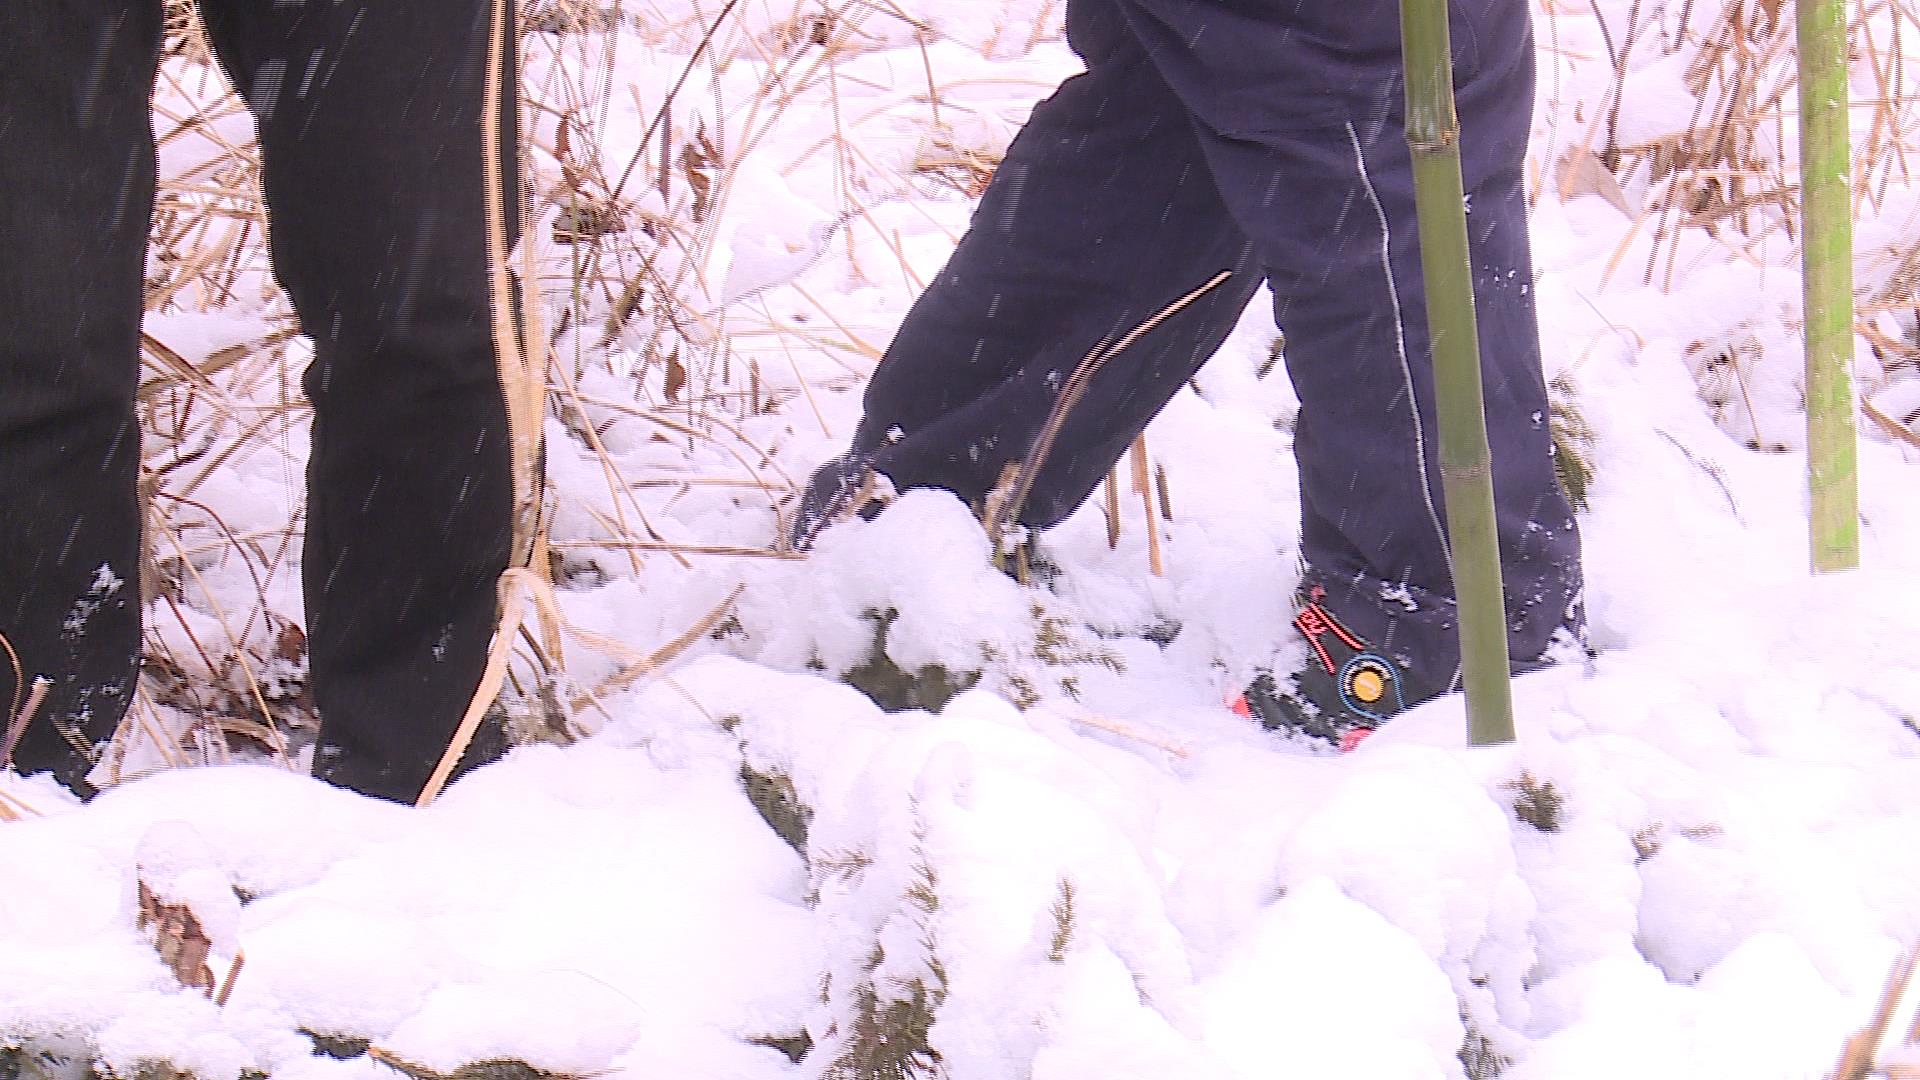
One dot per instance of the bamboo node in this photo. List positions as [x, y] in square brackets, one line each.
[1440, 142]
[1475, 471]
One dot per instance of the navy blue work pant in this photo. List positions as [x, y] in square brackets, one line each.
[1266, 139]
[370, 118]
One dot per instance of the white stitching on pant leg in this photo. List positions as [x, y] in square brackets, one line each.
[1400, 346]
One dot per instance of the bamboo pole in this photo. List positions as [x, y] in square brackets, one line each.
[1466, 460]
[1826, 252]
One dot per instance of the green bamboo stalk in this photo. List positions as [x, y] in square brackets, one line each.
[1466, 461]
[1826, 231]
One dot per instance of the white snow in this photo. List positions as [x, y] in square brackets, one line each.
[1085, 865]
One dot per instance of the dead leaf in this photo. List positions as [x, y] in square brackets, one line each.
[178, 937]
[291, 644]
[1581, 172]
[676, 377]
[697, 161]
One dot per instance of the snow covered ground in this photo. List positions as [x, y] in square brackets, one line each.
[1699, 860]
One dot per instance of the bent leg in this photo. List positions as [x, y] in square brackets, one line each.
[1301, 114]
[1101, 214]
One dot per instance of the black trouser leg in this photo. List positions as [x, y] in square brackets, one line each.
[1301, 113]
[76, 189]
[370, 114]
[1202, 126]
[1101, 214]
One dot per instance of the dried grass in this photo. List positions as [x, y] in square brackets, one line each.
[1724, 172]
[620, 246]
[1730, 174]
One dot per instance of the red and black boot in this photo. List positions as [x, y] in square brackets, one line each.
[1345, 691]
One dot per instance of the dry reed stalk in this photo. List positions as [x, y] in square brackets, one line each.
[113, 759]
[233, 976]
[614, 529]
[1898, 295]
[19, 677]
[790, 74]
[632, 672]
[857, 343]
[1890, 425]
[1028, 469]
[521, 375]
[654, 417]
[518, 587]
[209, 224]
[174, 370]
[209, 251]
[17, 722]
[609, 471]
[252, 730]
[1721, 172]
[1859, 1057]
[630, 544]
[1714, 171]
[806, 390]
[1112, 487]
[243, 541]
[12, 809]
[232, 543]
[201, 374]
[1893, 352]
[661, 118]
[1046, 24]
[208, 231]
[684, 483]
[146, 717]
[670, 292]
[1884, 150]
[1128, 731]
[786, 80]
[180, 31]
[1143, 486]
[237, 638]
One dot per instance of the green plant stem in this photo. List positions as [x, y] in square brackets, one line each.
[1466, 461]
[1826, 221]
